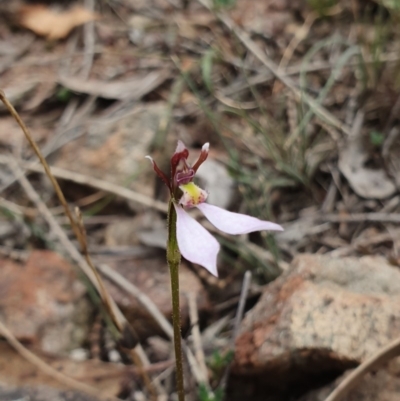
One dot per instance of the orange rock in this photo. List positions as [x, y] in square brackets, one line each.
[42, 302]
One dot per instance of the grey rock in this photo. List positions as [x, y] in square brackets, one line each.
[322, 315]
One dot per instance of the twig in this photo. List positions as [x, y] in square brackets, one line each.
[49, 370]
[89, 40]
[117, 317]
[125, 330]
[383, 355]
[68, 245]
[197, 343]
[255, 49]
[29, 138]
[361, 217]
[242, 303]
[54, 226]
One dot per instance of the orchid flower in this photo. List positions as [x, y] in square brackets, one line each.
[189, 238]
[195, 243]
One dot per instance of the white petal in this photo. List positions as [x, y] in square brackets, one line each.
[235, 223]
[195, 243]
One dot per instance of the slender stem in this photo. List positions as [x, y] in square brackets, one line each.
[173, 259]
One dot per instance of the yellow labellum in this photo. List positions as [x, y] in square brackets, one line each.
[192, 195]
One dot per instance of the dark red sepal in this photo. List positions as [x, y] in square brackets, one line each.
[202, 158]
[160, 174]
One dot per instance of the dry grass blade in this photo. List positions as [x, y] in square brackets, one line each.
[130, 288]
[44, 367]
[128, 337]
[198, 347]
[117, 317]
[100, 185]
[243, 36]
[384, 355]
[89, 39]
[128, 194]
[74, 253]
[140, 361]
[133, 89]
[361, 217]
[239, 316]
[301, 34]
[151, 307]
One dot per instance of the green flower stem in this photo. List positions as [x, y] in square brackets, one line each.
[174, 259]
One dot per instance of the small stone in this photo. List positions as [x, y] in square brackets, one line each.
[79, 354]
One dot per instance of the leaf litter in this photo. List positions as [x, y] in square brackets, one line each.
[52, 24]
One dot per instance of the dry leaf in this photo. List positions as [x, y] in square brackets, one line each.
[52, 24]
[366, 182]
[134, 88]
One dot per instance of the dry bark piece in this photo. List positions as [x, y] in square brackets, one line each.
[43, 303]
[44, 21]
[324, 314]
